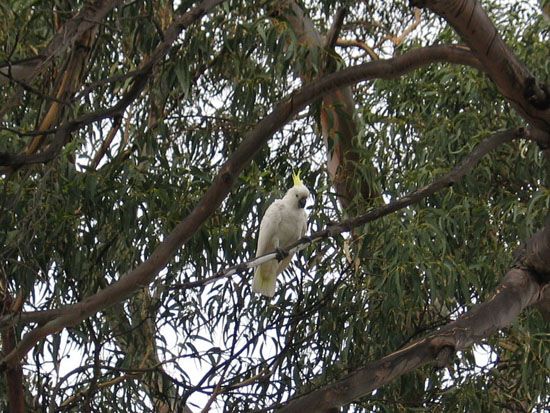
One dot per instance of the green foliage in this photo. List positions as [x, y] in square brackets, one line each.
[68, 228]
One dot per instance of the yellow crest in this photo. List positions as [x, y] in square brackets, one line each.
[296, 179]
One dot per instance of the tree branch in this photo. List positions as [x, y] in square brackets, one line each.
[117, 121]
[513, 79]
[370, 70]
[24, 71]
[14, 375]
[139, 81]
[360, 44]
[454, 54]
[146, 272]
[521, 287]
[397, 40]
[455, 175]
[336, 118]
[335, 29]
[91, 14]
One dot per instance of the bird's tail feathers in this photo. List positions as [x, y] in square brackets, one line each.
[265, 279]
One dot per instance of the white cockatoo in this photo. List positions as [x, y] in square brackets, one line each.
[284, 222]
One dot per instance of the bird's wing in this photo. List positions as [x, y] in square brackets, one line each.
[268, 228]
[304, 226]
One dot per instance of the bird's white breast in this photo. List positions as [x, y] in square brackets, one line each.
[290, 229]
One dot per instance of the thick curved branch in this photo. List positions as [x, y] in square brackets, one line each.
[145, 273]
[525, 284]
[518, 290]
[513, 79]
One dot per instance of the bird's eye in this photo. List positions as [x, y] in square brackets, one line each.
[296, 195]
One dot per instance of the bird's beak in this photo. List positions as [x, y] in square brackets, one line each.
[302, 202]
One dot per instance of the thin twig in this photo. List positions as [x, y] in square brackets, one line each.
[357, 43]
[106, 143]
[398, 40]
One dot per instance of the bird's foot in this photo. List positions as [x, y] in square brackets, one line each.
[281, 254]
